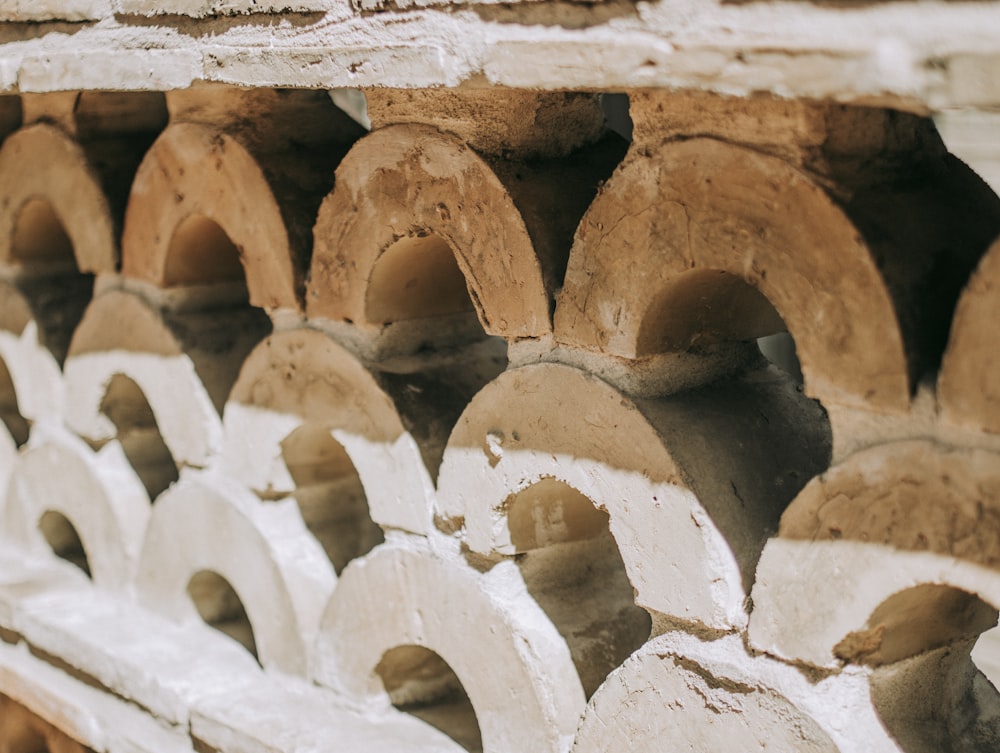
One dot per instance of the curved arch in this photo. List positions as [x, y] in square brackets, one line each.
[511, 661]
[969, 383]
[652, 466]
[41, 163]
[265, 552]
[192, 170]
[96, 492]
[303, 376]
[177, 363]
[698, 206]
[406, 181]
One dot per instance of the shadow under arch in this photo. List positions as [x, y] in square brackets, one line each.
[420, 682]
[709, 214]
[61, 536]
[220, 607]
[447, 192]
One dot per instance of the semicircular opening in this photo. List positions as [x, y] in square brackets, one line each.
[201, 253]
[706, 307]
[62, 537]
[417, 277]
[125, 404]
[221, 608]
[925, 687]
[421, 683]
[329, 493]
[572, 568]
[40, 237]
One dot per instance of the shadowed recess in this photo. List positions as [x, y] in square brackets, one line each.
[64, 540]
[329, 494]
[10, 413]
[572, 567]
[420, 682]
[125, 405]
[221, 608]
[201, 253]
[39, 236]
[415, 278]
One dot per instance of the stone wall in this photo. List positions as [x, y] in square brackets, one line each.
[458, 433]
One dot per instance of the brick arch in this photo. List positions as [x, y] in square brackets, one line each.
[701, 207]
[197, 181]
[969, 384]
[40, 163]
[409, 182]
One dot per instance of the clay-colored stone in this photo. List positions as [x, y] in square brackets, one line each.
[220, 197]
[184, 364]
[702, 218]
[676, 476]
[508, 122]
[969, 383]
[409, 203]
[20, 730]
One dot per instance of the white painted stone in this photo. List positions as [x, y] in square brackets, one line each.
[681, 693]
[122, 334]
[514, 666]
[810, 595]
[148, 70]
[201, 8]
[97, 492]
[54, 10]
[34, 372]
[98, 720]
[263, 549]
[302, 376]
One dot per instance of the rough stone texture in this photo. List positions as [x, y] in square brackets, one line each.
[264, 550]
[969, 387]
[267, 225]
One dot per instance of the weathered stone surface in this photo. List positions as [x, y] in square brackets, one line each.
[508, 657]
[969, 384]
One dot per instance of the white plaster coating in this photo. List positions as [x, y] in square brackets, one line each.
[201, 8]
[810, 595]
[97, 492]
[54, 10]
[915, 54]
[681, 693]
[97, 719]
[510, 659]
[263, 549]
[37, 378]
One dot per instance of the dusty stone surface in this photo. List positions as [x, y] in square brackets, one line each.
[183, 365]
[496, 121]
[279, 572]
[916, 496]
[210, 234]
[508, 657]
[968, 386]
[202, 8]
[682, 229]
[97, 493]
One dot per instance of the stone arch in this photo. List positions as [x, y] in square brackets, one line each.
[700, 207]
[651, 466]
[95, 492]
[303, 376]
[205, 185]
[969, 383]
[279, 572]
[406, 182]
[48, 175]
[510, 660]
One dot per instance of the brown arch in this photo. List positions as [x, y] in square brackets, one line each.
[42, 165]
[406, 181]
[700, 205]
[193, 171]
[969, 385]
